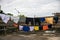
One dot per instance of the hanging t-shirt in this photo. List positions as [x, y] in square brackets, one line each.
[49, 25]
[56, 19]
[45, 27]
[20, 27]
[40, 27]
[49, 20]
[36, 28]
[42, 19]
[26, 28]
[31, 28]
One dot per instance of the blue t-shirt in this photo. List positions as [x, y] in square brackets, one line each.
[42, 19]
[49, 25]
[26, 28]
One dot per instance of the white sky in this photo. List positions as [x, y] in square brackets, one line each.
[30, 8]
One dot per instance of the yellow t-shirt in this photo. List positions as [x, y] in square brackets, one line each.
[36, 28]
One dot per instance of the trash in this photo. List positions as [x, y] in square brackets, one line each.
[50, 31]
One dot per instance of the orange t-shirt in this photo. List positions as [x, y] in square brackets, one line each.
[45, 27]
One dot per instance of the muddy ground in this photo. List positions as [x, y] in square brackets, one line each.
[35, 36]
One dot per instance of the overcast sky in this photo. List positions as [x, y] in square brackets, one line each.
[30, 8]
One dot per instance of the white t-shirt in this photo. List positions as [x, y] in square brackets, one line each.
[31, 28]
[20, 27]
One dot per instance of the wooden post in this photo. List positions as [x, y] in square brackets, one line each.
[34, 20]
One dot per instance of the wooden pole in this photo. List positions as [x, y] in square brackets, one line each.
[0, 7]
[34, 20]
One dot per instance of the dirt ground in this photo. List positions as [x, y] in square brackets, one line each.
[37, 36]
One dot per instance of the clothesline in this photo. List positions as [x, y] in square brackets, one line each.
[48, 20]
[35, 28]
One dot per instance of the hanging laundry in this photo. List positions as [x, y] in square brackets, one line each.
[20, 27]
[49, 25]
[49, 20]
[56, 19]
[5, 18]
[45, 27]
[36, 28]
[15, 25]
[42, 19]
[41, 27]
[26, 28]
[15, 19]
[31, 28]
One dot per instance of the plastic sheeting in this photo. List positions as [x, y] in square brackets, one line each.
[5, 18]
[15, 19]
